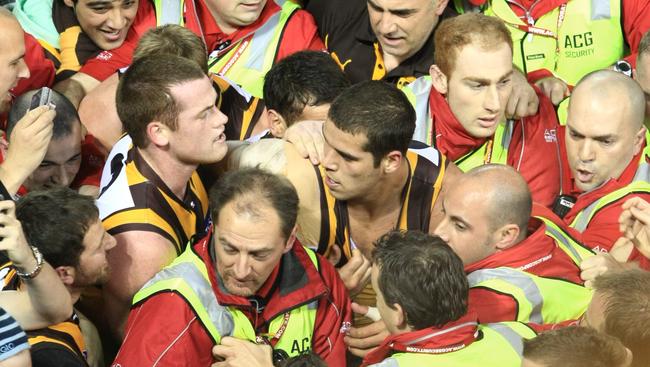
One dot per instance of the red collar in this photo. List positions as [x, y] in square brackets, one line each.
[534, 250]
[451, 138]
[451, 337]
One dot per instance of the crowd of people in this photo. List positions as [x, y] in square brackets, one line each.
[325, 183]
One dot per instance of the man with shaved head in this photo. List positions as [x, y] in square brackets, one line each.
[607, 154]
[507, 253]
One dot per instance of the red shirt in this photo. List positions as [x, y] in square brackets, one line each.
[153, 336]
[299, 34]
[538, 254]
[533, 150]
[41, 69]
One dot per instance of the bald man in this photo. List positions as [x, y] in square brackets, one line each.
[607, 154]
[33, 132]
[513, 261]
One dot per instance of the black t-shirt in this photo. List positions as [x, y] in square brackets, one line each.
[344, 25]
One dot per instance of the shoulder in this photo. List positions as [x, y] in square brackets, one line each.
[152, 335]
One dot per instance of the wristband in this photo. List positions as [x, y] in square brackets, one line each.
[39, 265]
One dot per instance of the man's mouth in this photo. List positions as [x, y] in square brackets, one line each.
[111, 35]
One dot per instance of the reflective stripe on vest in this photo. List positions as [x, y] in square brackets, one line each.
[540, 300]
[590, 38]
[248, 60]
[501, 345]
[574, 249]
[169, 12]
[639, 184]
[187, 275]
[418, 94]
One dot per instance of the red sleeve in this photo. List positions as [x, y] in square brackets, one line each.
[108, 62]
[536, 75]
[164, 331]
[300, 34]
[41, 69]
[332, 318]
[491, 306]
[92, 164]
[603, 230]
[636, 21]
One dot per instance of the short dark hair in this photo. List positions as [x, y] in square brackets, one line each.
[144, 92]
[576, 347]
[56, 221]
[172, 39]
[253, 187]
[421, 273]
[627, 310]
[380, 111]
[64, 121]
[304, 78]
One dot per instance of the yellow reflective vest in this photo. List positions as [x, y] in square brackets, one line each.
[590, 37]
[541, 300]
[498, 345]
[188, 276]
[247, 60]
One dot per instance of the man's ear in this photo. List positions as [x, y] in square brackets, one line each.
[400, 316]
[69, 3]
[292, 239]
[158, 133]
[438, 79]
[392, 161]
[506, 236]
[66, 274]
[277, 124]
[639, 139]
[440, 7]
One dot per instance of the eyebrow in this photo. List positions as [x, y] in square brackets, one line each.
[99, 3]
[488, 81]
[68, 160]
[599, 137]
[340, 152]
[406, 11]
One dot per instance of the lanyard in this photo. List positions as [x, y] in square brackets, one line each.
[530, 28]
[263, 339]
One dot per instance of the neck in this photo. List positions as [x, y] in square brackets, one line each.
[385, 197]
[172, 172]
[75, 293]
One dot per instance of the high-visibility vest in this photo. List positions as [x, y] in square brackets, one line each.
[247, 60]
[494, 150]
[590, 37]
[188, 276]
[499, 345]
[541, 300]
[640, 184]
